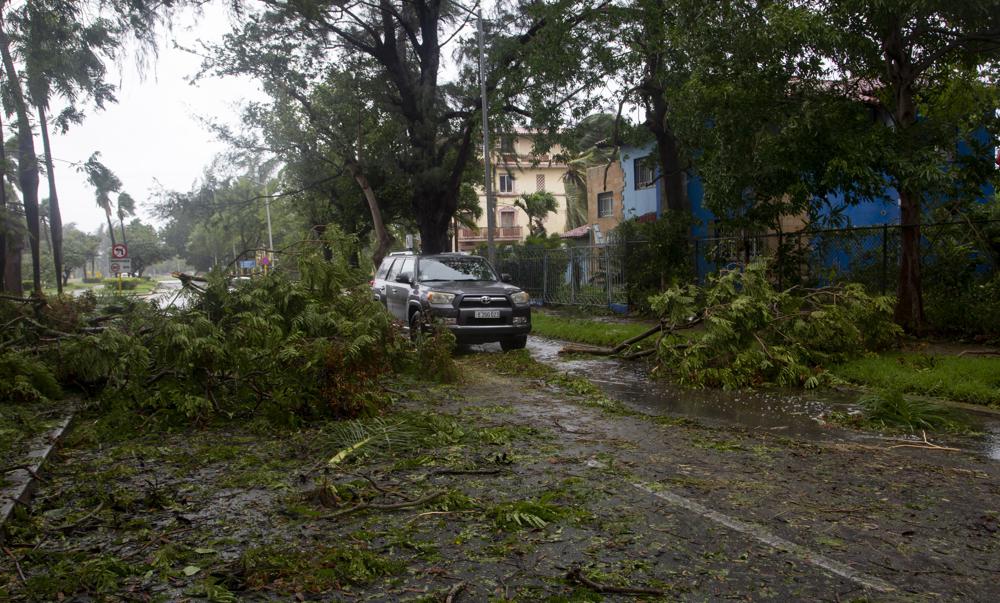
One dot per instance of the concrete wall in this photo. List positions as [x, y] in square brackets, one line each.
[597, 183]
[526, 168]
[642, 201]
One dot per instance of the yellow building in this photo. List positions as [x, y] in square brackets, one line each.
[516, 171]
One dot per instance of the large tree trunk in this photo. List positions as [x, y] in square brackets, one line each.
[434, 214]
[12, 269]
[909, 298]
[3, 211]
[111, 227]
[27, 161]
[55, 216]
[668, 156]
[909, 312]
[384, 241]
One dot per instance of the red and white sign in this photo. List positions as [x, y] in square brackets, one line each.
[123, 266]
[119, 251]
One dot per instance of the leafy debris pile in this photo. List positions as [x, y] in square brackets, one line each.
[750, 334]
[284, 349]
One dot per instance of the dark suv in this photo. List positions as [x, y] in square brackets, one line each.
[463, 292]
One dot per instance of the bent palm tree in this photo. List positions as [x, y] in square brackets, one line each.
[104, 182]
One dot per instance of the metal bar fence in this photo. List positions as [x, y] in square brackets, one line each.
[595, 275]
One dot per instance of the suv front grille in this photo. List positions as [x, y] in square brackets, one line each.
[476, 301]
[485, 321]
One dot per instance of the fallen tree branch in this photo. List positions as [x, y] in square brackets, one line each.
[586, 349]
[467, 471]
[385, 507]
[606, 351]
[926, 445]
[73, 524]
[577, 575]
[453, 592]
[979, 353]
[639, 354]
[632, 340]
[17, 565]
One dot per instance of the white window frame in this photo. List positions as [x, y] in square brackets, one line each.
[509, 179]
[644, 173]
[609, 211]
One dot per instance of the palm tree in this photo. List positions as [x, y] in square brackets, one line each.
[27, 159]
[587, 147]
[104, 182]
[126, 207]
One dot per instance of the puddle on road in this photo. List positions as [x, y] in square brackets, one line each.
[794, 413]
[790, 412]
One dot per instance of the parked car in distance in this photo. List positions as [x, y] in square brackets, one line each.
[461, 291]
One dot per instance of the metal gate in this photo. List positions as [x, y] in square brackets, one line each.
[592, 275]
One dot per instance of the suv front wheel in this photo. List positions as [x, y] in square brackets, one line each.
[514, 343]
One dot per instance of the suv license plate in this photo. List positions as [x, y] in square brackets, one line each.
[487, 313]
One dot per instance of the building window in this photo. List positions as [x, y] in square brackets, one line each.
[605, 205]
[643, 168]
[506, 183]
[540, 182]
[507, 145]
[507, 218]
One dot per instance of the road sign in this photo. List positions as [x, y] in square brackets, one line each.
[119, 251]
[123, 266]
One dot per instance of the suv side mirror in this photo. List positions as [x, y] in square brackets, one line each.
[404, 278]
[504, 278]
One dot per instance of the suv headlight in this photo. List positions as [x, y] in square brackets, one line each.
[439, 298]
[521, 297]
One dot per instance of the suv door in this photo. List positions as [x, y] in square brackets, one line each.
[378, 283]
[398, 294]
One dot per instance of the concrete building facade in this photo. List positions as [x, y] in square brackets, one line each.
[517, 170]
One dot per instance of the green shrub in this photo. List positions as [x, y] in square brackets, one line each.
[126, 283]
[434, 355]
[755, 335]
[657, 255]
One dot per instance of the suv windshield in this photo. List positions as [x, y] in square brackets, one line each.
[456, 269]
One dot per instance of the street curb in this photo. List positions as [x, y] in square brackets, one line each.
[24, 482]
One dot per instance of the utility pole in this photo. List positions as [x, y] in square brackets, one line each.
[267, 210]
[487, 172]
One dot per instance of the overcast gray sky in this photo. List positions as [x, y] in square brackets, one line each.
[153, 134]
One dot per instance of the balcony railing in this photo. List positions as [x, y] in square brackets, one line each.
[504, 233]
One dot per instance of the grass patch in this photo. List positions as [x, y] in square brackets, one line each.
[582, 330]
[893, 410]
[974, 380]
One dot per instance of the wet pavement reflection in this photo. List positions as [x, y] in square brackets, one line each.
[789, 412]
